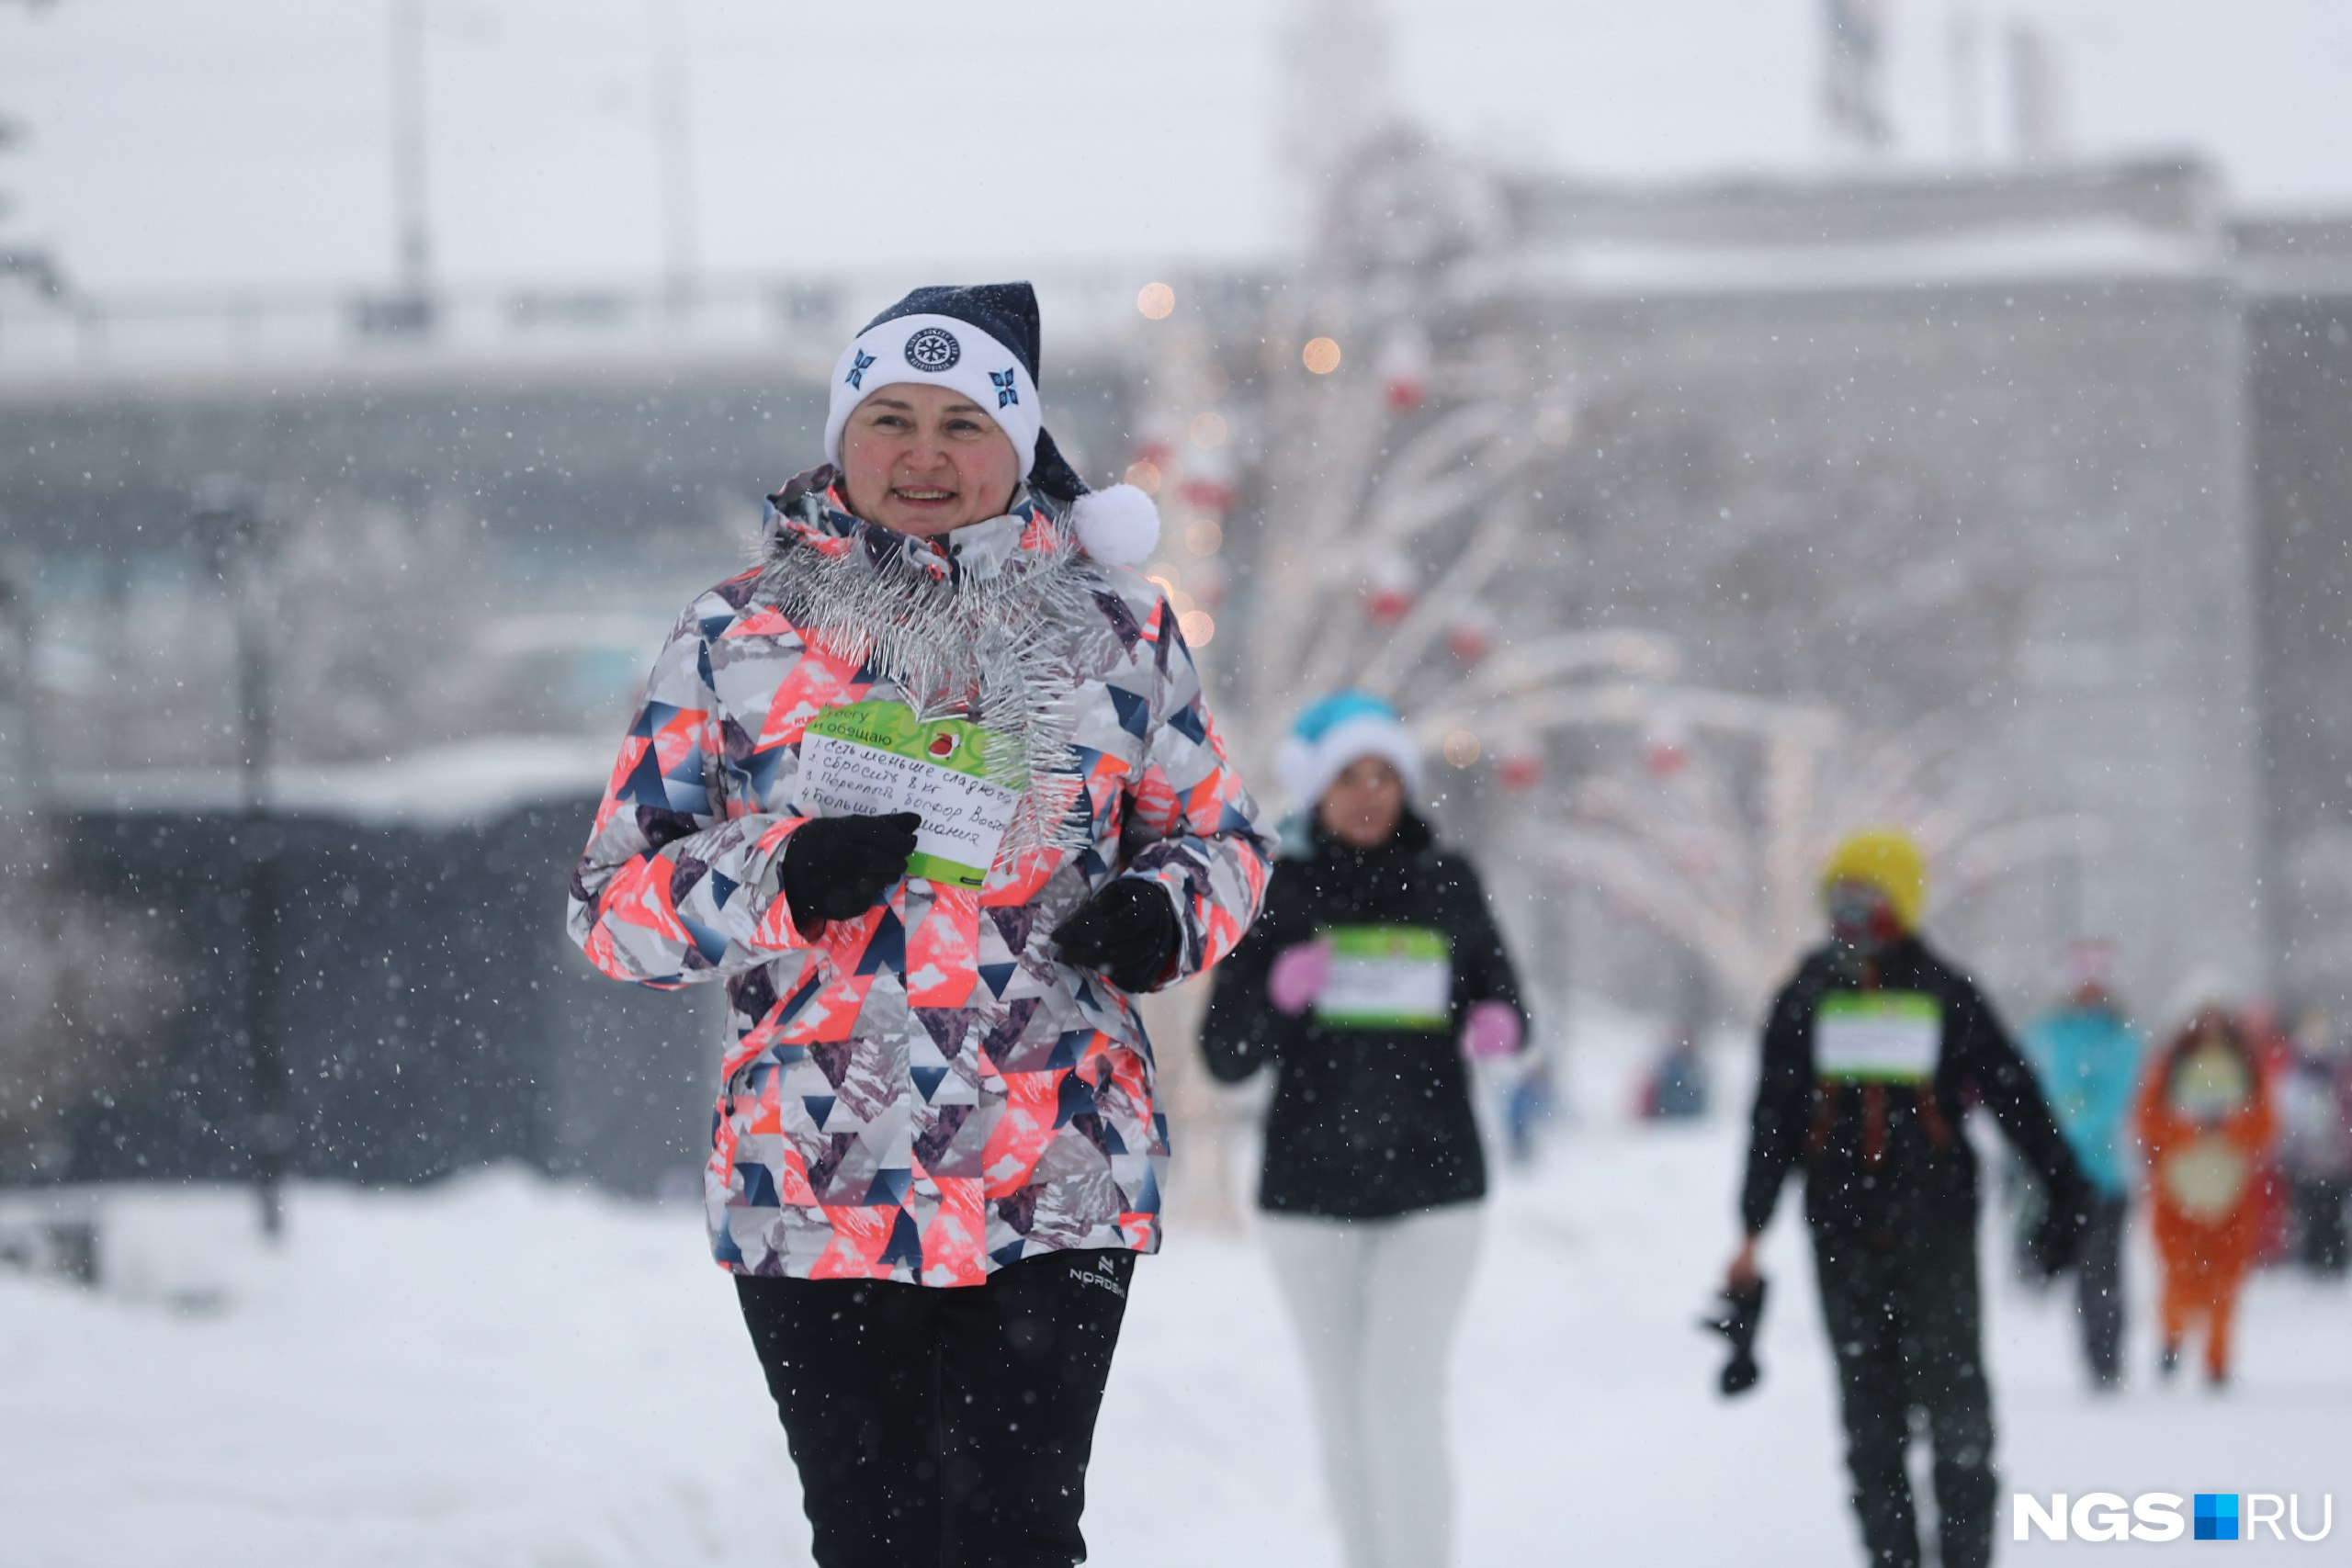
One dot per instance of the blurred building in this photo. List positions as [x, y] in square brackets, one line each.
[2124, 409]
[2051, 377]
[2296, 281]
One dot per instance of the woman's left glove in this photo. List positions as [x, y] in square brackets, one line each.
[1492, 1030]
[1128, 932]
[2058, 1239]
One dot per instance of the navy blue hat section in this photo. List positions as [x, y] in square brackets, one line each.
[1006, 312]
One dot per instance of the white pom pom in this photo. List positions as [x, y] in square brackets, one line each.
[1117, 526]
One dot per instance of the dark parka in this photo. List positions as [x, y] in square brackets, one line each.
[1365, 1123]
[1878, 1157]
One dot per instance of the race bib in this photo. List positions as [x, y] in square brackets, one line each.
[1877, 1036]
[875, 758]
[1387, 978]
[2207, 1178]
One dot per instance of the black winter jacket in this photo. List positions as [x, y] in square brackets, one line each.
[1879, 1135]
[1367, 1121]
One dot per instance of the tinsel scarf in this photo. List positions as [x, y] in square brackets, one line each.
[1003, 630]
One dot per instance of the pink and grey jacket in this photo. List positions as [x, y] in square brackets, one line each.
[924, 1093]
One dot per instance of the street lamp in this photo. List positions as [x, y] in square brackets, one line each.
[412, 308]
[20, 769]
[672, 111]
[233, 535]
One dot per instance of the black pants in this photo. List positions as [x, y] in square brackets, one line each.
[2098, 1289]
[943, 1426]
[1904, 1320]
[2319, 1223]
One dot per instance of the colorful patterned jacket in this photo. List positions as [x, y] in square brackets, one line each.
[925, 1093]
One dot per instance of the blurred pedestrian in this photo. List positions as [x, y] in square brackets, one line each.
[1375, 969]
[2205, 1121]
[2267, 1041]
[1676, 1089]
[1530, 1100]
[2315, 1141]
[934, 791]
[2089, 1059]
[1872, 1054]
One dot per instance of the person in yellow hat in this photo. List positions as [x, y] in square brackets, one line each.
[1873, 1053]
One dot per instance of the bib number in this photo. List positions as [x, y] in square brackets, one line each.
[1877, 1037]
[1387, 978]
[2207, 1179]
[875, 758]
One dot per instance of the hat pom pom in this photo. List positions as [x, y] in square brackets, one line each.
[1117, 526]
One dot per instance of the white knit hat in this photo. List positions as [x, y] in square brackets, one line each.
[941, 351]
[1339, 730]
[982, 340]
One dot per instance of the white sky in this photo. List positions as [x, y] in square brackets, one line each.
[186, 145]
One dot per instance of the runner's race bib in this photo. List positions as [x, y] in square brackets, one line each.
[875, 758]
[1387, 978]
[2207, 1178]
[1877, 1036]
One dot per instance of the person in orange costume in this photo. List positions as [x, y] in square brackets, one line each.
[2206, 1123]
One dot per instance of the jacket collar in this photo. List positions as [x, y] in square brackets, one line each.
[1412, 837]
[811, 510]
[1000, 623]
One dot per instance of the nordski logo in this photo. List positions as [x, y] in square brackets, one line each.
[2156, 1515]
[934, 349]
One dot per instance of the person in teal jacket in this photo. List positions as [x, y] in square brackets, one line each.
[2088, 1057]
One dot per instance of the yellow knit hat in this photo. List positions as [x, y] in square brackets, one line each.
[1889, 860]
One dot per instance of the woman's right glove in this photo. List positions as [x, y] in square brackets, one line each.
[1735, 1320]
[1492, 1030]
[1127, 932]
[1298, 975]
[2059, 1237]
[836, 868]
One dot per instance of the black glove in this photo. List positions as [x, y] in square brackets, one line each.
[2059, 1236]
[1127, 932]
[1735, 1320]
[836, 868]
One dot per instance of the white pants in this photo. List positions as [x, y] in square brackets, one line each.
[1376, 1303]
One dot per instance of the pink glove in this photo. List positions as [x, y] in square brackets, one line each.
[1492, 1030]
[1298, 976]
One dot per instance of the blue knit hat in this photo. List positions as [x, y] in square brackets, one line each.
[1340, 729]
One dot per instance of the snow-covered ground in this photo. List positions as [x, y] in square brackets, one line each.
[506, 1372]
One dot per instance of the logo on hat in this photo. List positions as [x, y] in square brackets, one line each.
[858, 366]
[934, 349]
[1005, 391]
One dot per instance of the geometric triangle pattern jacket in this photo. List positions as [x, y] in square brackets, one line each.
[924, 1093]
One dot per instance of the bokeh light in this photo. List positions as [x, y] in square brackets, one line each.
[1156, 301]
[1321, 356]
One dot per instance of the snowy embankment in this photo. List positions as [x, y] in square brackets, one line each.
[505, 1371]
